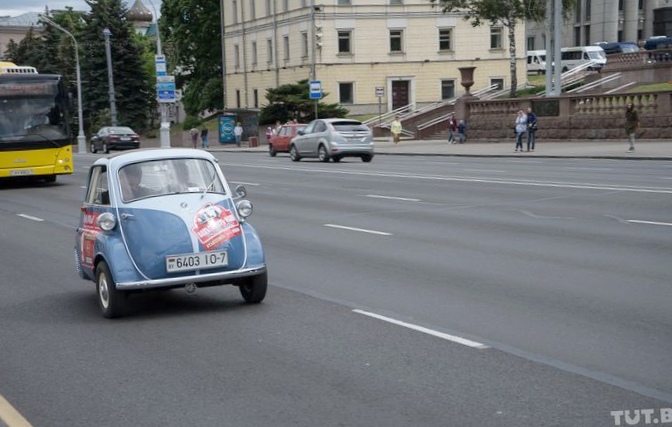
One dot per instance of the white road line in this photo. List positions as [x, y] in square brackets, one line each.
[11, 416]
[32, 218]
[363, 230]
[636, 221]
[483, 170]
[453, 338]
[376, 196]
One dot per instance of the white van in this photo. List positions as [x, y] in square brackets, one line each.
[536, 61]
[579, 55]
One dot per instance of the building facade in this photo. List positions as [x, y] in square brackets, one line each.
[594, 21]
[16, 27]
[363, 52]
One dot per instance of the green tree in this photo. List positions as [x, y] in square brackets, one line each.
[292, 101]
[506, 13]
[134, 93]
[190, 30]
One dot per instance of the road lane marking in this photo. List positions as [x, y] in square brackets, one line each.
[453, 338]
[405, 199]
[449, 178]
[11, 416]
[362, 230]
[484, 170]
[32, 218]
[636, 221]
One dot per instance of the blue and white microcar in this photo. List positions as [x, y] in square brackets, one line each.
[165, 218]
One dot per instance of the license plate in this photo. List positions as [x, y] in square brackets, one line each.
[125, 138]
[21, 172]
[199, 261]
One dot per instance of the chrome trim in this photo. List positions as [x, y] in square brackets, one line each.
[183, 280]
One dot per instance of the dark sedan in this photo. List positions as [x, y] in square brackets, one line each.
[114, 138]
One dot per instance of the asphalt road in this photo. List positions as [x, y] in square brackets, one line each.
[559, 268]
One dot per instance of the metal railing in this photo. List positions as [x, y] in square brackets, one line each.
[596, 83]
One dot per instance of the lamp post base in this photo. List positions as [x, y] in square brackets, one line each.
[164, 134]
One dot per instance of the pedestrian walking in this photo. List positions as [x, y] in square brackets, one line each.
[531, 129]
[521, 127]
[631, 125]
[461, 131]
[396, 129]
[194, 137]
[204, 137]
[238, 132]
[452, 129]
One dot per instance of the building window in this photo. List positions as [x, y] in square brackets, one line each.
[396, 2]
[237, 98]
[269, 51]
[234, 14]
[498, 83]
[345, 93]
[446, 39]
[587, 34]
[344, 2]
[285, 5]
[577, 36]
[269, 8]
[495, 37]
[588, 7]
[344, 45]
[304, 44]
[447, 89]
[303, 3]
[530, 43]
[285, 44]
[396, 41]
[236, 57]
[254, 53]
[253, 9]
[255, 94]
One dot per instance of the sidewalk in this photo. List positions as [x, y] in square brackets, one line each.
[644, 149]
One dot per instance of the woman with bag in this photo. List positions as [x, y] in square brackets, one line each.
[521, 127]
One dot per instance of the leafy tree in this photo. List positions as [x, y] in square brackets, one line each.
[292, 101]
[134, 94]
[507, 13]
[190, 30]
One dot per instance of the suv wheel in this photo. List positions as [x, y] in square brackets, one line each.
[294, 154]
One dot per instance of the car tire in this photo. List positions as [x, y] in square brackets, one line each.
[111, 301]
[253, 289]
[93, 148]
[106, 149]
[367, 158]
[294, 154]
[322, 154]
[271, 151]
[50, 178]
[336, 159]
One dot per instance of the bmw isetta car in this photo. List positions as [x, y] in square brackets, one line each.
[165, 218]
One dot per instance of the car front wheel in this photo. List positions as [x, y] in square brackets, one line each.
[294, 154]
[93, 148]
[322, 154]
[254, 288]
[110, 300]
[106, 149]
[367, 158]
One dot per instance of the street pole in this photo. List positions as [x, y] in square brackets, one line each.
[81, 138]
[164, 130]
[110, 77]
[222, 28]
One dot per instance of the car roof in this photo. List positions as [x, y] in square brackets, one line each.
[124, 158]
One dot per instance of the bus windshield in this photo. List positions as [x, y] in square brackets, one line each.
[33, 111]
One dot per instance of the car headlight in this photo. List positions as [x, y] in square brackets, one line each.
[244, 208]
[107, 221]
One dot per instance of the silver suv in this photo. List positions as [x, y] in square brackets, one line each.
[333, 139]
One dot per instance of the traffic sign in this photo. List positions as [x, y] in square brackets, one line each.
[380, 91]
[165, 88]
[160, 64]
[315, 89]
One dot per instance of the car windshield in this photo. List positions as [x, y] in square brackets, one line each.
[120, 130]
[168, 176]
[349, 126]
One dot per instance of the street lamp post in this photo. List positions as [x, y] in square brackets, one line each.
[164, 131]
[81, 138]
[110, 78]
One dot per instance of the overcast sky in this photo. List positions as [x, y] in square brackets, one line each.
[17, 7]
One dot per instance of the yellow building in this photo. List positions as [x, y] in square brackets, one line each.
[356, 47]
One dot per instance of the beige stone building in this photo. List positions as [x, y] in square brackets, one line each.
[356, 47]
[16, 27]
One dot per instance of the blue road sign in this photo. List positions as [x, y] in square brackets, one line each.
[315, 89]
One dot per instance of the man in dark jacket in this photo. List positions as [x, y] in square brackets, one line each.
[531, 129]
[631, 125]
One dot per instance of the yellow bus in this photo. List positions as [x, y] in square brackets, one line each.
[35, 139]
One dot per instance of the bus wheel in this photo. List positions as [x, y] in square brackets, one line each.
[50, 178]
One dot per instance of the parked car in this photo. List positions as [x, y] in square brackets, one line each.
[165, 218]
[333, 139]
[114, 138]
[279, 143]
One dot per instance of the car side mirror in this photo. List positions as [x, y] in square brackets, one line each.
[240, 192]
[300, 132]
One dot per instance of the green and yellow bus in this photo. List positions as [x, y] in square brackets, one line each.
[35, 139]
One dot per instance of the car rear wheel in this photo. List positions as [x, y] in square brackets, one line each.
[271, 151]
[111, 301]
[93, 148]
[294, 154]
[322, 154]
[367, 158]
[336, 159]
[254, 288]
[106, 149]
